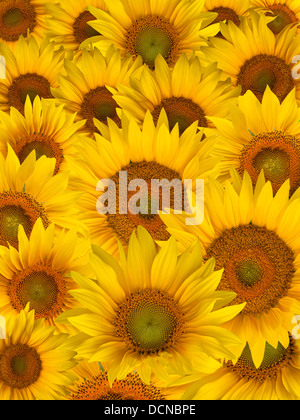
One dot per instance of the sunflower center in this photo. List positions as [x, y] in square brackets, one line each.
[43, 146]
[273, 362]
[181, 111]
[149, 321]
[43, 287]
[31, 85]
[150, 36]
[283, 17]
[278, 154]
[16, 18]
[20, 366]
[275, 163]
[130, 388]
[18, 208]
[82, 29]
[124, 224]
[257, 264]
[226, 14]
[266, 70]
[99, 104]
[13, 17]
[249, 272]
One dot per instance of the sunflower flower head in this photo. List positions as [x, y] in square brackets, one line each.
[34, 361]
[154, 307]
[147, 29]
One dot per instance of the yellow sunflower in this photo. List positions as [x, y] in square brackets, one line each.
[22, 17]
[254, 237]
[228, 10]
[31, 70]
[277, 378]
[285, 12]
[38, 272]
[154, 313]
[29, 191]
[253, 57]
[262, 135]
[68, 24]
[83, 89]
[189, 92]
[148, 152]
[34, 362]
[148, 28]
[45, 128]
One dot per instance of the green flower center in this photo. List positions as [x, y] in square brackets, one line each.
[249, 272]
[283, 17]
[13, 17]
[10, 219]
[151, 42]
[150, 321]
[274, 162]
[150, 36]
[40, 290]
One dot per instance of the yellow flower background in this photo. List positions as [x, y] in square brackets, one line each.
[146, 306]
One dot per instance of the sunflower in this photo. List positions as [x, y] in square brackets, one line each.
[84, 89]
[34, 362]
[146, 314]
[228, 10]
[68, 24]
[93, 384]
[189, 92]
[132, 153]
[277, 378]
[31, 70]
[148, 28]
[254, 237]
[262, 135]
[253, 57]
[29, 191]
[38, 273]
[22, 17]
[45, 128]
[285, 12]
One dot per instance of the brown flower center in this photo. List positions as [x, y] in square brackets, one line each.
[274, 361]
[264, 70]
[40, 285]
[124, 224]
[99, 104]
[130, 388]
[43, 146]
[82, 29]
[257, 264]
[20, 366]
[18, 208]
[31, 85]
[16, 18]
[278, 154]
[181, 111]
